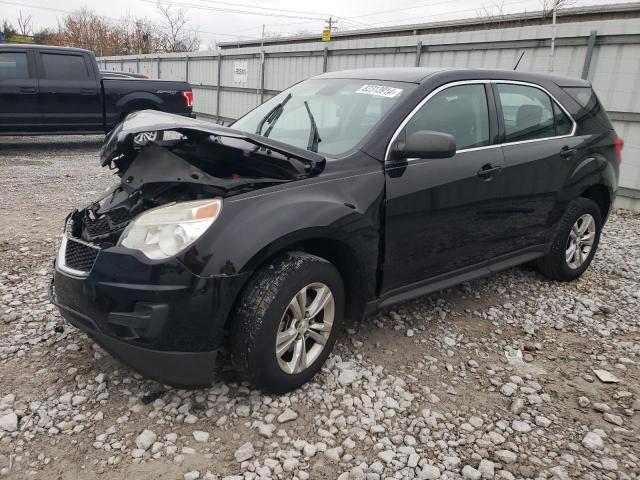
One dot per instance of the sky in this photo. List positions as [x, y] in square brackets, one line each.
[230, 20]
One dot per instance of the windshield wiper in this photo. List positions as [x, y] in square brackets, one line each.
[314, 135]
[275, 113]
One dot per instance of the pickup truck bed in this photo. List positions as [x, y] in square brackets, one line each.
[50, 90]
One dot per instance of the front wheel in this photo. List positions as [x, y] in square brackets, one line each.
[287, 321]
[575, 242]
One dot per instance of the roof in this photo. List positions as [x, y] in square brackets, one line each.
[418, 74]
[565, 15]
[394, 74]
[42, 47]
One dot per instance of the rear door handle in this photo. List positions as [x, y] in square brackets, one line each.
[567, 152]
[488, 170]
[87, 91]
[27, 89]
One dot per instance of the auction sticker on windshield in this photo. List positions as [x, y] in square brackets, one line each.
[379, 90]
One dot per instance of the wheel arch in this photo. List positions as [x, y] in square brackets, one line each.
[601, 196]
[357, 275]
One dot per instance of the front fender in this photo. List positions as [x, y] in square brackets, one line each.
[254, 226]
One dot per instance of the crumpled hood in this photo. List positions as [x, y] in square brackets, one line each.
[120, 139]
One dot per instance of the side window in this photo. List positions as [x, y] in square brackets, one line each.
[563, 123]
[13, 65]
[64, 67]
[461, 111]
[530, 114]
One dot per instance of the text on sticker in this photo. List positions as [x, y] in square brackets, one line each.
[379, 90]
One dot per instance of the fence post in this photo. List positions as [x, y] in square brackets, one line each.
[418, 53]
[587, 57]
[218, 88]
[262, 68]
[122, 64]
[137, 64]
[158, 67]
[325, 53]
[186, 68]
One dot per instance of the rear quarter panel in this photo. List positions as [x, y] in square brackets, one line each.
[122, 96]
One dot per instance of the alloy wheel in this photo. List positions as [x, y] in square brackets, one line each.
[305, 328]
[580, 242]
[143, 138]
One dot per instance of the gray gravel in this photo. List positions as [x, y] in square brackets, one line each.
[511, 376]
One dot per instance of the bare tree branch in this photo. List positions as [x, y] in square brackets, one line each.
[25, 25]
[175, 34]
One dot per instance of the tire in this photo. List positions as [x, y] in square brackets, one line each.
[264, 311]
[555, 264]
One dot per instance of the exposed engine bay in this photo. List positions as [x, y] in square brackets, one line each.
[204, 161]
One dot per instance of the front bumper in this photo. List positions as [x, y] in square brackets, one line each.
[159, 318]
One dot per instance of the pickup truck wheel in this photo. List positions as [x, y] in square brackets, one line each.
[286, 322]
[575, 242]
[142, 138]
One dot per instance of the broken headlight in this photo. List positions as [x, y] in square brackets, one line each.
[167, 230]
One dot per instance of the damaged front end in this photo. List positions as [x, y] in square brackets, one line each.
[204, 160]
[144, 303]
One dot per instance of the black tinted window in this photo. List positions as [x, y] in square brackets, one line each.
[563, 122]
[460, 111]
[527, 111]
[588, 100]
[13, 65]
[64, 67]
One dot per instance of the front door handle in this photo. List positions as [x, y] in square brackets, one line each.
[88, 91]
[488, 171]
[567, 152]
[27, 89]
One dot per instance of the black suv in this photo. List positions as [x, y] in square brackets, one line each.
[346, 193]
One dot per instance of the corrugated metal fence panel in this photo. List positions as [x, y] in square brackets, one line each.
[174, 69]
[281, 72]
[203, 71]
[205, 99]
[630, 168]
[614, 71]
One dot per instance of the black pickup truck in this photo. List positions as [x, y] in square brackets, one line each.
[50, 90]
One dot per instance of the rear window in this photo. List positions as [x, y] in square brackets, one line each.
[64, 67]
[588, 100]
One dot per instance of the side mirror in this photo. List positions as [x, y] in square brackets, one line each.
[426, 144]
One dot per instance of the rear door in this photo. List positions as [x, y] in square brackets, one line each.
[445, 215]
[69, 92]
[19, 109]
[540, 149]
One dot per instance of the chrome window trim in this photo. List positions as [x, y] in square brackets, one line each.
[481, 82]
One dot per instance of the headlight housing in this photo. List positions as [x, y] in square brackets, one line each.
[164, 231]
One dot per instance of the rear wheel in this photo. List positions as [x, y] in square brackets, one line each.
[287, 321]
[575, 243]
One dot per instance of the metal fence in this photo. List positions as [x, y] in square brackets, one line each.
[229, 82]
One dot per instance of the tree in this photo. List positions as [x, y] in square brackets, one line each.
[175, 34]
[25, 26]
[547, 6]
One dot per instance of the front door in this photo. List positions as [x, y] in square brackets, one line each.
[445, 215]
[70, 94]
[19, 109]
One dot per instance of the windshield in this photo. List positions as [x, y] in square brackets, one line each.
[329, 116]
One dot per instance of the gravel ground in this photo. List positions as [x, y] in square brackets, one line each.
[511, 376]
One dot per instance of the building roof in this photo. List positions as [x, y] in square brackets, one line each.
[566, 15]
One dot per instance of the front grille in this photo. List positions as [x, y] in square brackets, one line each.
[79, 256]
[107, 222]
